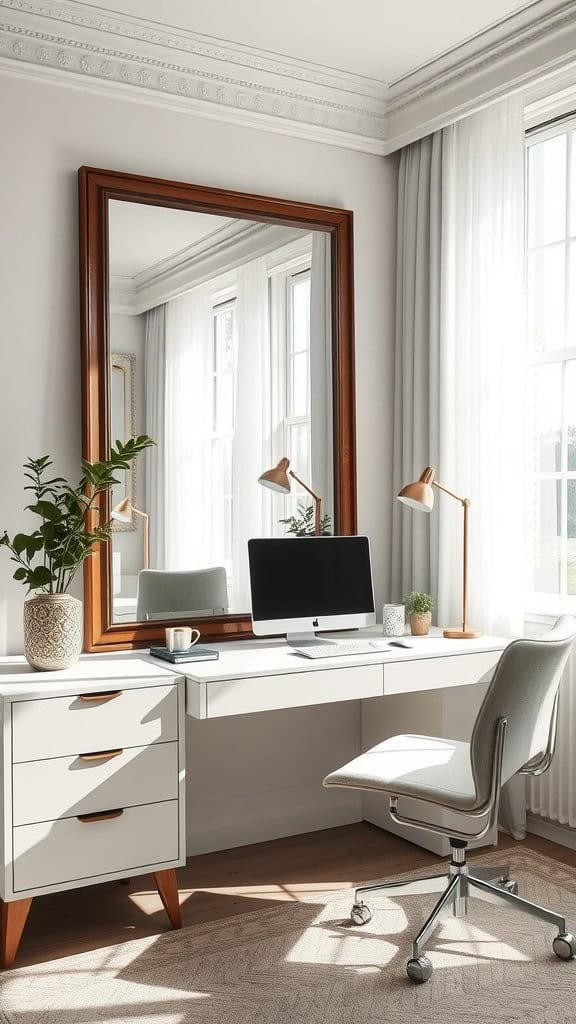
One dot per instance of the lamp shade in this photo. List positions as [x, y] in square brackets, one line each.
[277, 479]
[419, 494]
[122, 512]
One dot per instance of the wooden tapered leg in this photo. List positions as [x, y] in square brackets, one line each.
[12, 920]
[167, 886]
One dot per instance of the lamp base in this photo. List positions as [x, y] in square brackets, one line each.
[462, 634]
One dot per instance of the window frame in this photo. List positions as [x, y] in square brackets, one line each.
[542, 603]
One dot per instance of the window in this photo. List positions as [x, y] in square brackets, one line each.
[290, 357]
[551, 369]
[223, 343]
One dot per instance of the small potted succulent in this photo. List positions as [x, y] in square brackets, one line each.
[70, 524]
[419, 611]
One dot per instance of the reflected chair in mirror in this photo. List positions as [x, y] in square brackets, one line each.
[168, 595]
[514, 732]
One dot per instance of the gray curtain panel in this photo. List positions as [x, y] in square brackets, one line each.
[416, 374]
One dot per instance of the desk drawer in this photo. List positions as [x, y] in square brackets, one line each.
[72, 725]
[55, 852]
[66, 786]
[292, 690]
[435, 673]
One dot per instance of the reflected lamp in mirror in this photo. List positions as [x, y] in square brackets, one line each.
[277, 479]
[420, 495]
[123, 512]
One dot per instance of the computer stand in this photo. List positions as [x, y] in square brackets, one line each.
[305, 640]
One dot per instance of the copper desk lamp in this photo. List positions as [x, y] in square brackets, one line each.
[123, 511]
[276, 479]
[421, 496]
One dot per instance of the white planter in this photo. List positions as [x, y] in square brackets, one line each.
[52, 631]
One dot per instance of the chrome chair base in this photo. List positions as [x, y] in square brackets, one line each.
[489, 884]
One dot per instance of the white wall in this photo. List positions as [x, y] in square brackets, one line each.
[47, 132]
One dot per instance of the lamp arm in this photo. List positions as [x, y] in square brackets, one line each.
[317, 501]
[305, 486]
[146, 518]
[441, 487]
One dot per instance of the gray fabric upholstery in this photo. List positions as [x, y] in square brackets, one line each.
[162, 593]
[425, 767]
[458, 775]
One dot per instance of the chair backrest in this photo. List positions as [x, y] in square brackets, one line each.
[523, 691]
[166, 594]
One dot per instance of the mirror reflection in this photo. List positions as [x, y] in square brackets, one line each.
[220, 337]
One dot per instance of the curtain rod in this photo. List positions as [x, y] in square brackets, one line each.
[552, 120]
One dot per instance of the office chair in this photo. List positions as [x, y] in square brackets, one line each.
[515, 731]
[167, 595]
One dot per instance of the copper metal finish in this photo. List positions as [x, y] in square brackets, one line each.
[104, 755]
[88, 819]
[277, 480]
[91, 698]
[420, 495]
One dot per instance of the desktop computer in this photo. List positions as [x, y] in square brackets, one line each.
[303, 584]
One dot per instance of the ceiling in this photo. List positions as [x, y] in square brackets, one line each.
[380, 39]
[140, 236]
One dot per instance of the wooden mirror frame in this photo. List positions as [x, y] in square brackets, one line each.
[96, 188]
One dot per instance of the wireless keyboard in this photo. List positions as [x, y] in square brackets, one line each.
[341, 650]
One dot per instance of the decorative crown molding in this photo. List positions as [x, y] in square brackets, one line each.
[84, 46]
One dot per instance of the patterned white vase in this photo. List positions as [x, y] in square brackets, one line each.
[52, 631]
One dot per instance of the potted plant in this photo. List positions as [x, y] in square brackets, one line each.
[302, 525]
[49, 557]
[419, 611]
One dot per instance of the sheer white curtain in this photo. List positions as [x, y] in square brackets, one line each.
[465, 374]
[321, 370]
[481, 394]
[177, 393]
[250, 443]
[154, 386]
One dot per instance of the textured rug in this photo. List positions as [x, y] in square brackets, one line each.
[304, 963]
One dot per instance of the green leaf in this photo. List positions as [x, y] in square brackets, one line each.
[46, 509]
[20, 543]
[20, 574]
[40, 577]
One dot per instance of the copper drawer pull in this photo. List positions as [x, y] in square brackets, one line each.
[87, 819]
[90, 698]
[103, 755]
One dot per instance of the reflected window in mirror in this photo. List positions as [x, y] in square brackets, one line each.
[228, 326]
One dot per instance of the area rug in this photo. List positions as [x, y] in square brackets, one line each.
[305, 963]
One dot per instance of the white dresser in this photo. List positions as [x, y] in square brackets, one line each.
[93, 771]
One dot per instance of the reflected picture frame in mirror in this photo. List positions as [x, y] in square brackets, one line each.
[96, 189]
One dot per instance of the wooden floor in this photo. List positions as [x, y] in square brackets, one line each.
[230, 882]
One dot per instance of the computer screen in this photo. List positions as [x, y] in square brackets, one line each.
[302, 584]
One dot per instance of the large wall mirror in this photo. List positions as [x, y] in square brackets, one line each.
[221, 324]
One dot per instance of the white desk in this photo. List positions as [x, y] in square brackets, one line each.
[93, 757]
[263, 675]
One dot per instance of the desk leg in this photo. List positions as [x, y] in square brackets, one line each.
[167, 886]
[12, 920]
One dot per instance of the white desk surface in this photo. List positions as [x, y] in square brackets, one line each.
[274, 657]
[238, 660]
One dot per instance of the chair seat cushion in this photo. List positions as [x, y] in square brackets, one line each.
[424, 767]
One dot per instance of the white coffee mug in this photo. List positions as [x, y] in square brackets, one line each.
[393, 619]
[179, 638]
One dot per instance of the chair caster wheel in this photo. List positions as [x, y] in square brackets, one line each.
[564, 946]
[419, 969]
[509, 885]
[361, 913]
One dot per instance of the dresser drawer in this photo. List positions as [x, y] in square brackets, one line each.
[292, 690]
[55, 852]
[435, 673]
[66, 786]
[73, 725]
